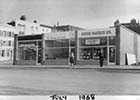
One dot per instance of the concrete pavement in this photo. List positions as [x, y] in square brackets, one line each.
[43, 80]
[111, 67]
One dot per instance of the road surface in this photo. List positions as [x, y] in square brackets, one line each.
[36, 81]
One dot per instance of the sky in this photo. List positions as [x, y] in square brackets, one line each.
[87, 14]
[124, 97]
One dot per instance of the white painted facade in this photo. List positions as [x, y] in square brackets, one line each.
[30, 28]
[45, 29]
[6, 42]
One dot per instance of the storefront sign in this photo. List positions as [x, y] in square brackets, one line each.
[59, 35]
[92, 41]
[97, 33]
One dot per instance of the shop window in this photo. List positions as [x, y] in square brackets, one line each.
[57, 43]
[72, 42]
[27, 50]
[112, 54]
[112, 40]
[39, 44]
[27, 53]
[92, 53]
[57, 54]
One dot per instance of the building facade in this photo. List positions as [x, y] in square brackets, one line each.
[30, 28]
[56, 47]
[6, 42]
[90, 42]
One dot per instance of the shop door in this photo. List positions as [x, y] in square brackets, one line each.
[112, 55]
[72, 51]
[39, 55]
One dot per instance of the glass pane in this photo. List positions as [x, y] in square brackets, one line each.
[72, 42]
[112, 40]
[92, 53]
[57, 43]
[26, 53]
[27, 50]
[112, 54]
[57, 54]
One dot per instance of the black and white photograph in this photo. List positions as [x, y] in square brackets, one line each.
[60, 48]
[73, 97]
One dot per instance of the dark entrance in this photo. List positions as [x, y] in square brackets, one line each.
[39, 55]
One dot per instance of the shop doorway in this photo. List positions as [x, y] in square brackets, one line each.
[112, 55]
[39, 56]
[39, 53]
[72, 51]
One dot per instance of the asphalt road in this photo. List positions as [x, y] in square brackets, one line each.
[36, 81]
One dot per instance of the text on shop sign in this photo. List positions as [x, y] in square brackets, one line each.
[96, 33]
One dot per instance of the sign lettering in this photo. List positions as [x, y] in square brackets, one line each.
[92, 41]
[97, 33]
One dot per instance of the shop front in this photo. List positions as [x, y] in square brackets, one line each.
[90, 42]
[58, 47]
[29, 50]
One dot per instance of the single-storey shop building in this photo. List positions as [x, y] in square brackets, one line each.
[55, 48]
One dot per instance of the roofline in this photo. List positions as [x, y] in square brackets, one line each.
[70, 25]
[29, 35]
[128, 29]
[46, 26]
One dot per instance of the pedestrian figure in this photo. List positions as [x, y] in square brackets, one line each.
[101, 57]
[72, 59]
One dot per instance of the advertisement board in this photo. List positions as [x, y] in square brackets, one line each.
[59, 35]
[92, 41]
[131, 59]
[97, 33]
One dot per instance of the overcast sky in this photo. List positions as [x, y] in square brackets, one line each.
[84, 13]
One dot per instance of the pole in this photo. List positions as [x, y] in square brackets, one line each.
[15, 49]
[69, 53]
[36, 52]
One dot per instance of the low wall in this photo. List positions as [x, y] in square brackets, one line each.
[59, 62]
[87, 62]
[26, 62]
[55, 62]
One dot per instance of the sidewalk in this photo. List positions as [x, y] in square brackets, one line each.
[109, 67]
